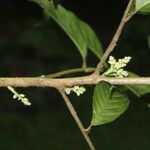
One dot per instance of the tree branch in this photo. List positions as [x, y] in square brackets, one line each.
[76, 118]
[70, 71]
[58, 83]
[115, 38]
[61, 84]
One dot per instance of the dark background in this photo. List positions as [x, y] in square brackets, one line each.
[32, 46]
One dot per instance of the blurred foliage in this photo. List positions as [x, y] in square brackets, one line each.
[32, 49]
[31, 46]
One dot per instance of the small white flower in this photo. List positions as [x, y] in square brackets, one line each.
[127, 59]
[82, 90]
[18, 96]
[76, 89]
[68, 91]
[14, 96]
[26, 102]
[42, 76]
[116, 67]
[22, 95]
[122, 73]
[112, 60]
[119, 65]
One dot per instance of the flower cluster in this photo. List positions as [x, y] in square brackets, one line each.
[116, 67]
[18, 96]
[78, 90]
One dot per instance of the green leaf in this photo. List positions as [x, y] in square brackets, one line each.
[80, 33]
[108, 103]
[138, 90]
[141, 6]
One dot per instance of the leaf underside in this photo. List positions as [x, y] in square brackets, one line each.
[141, 6]
[79, 32]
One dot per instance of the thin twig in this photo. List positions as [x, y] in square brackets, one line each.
[114, 39]
[85, 80]
[77, 119]
[130, 16]
[70, 71]
[88, 129]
